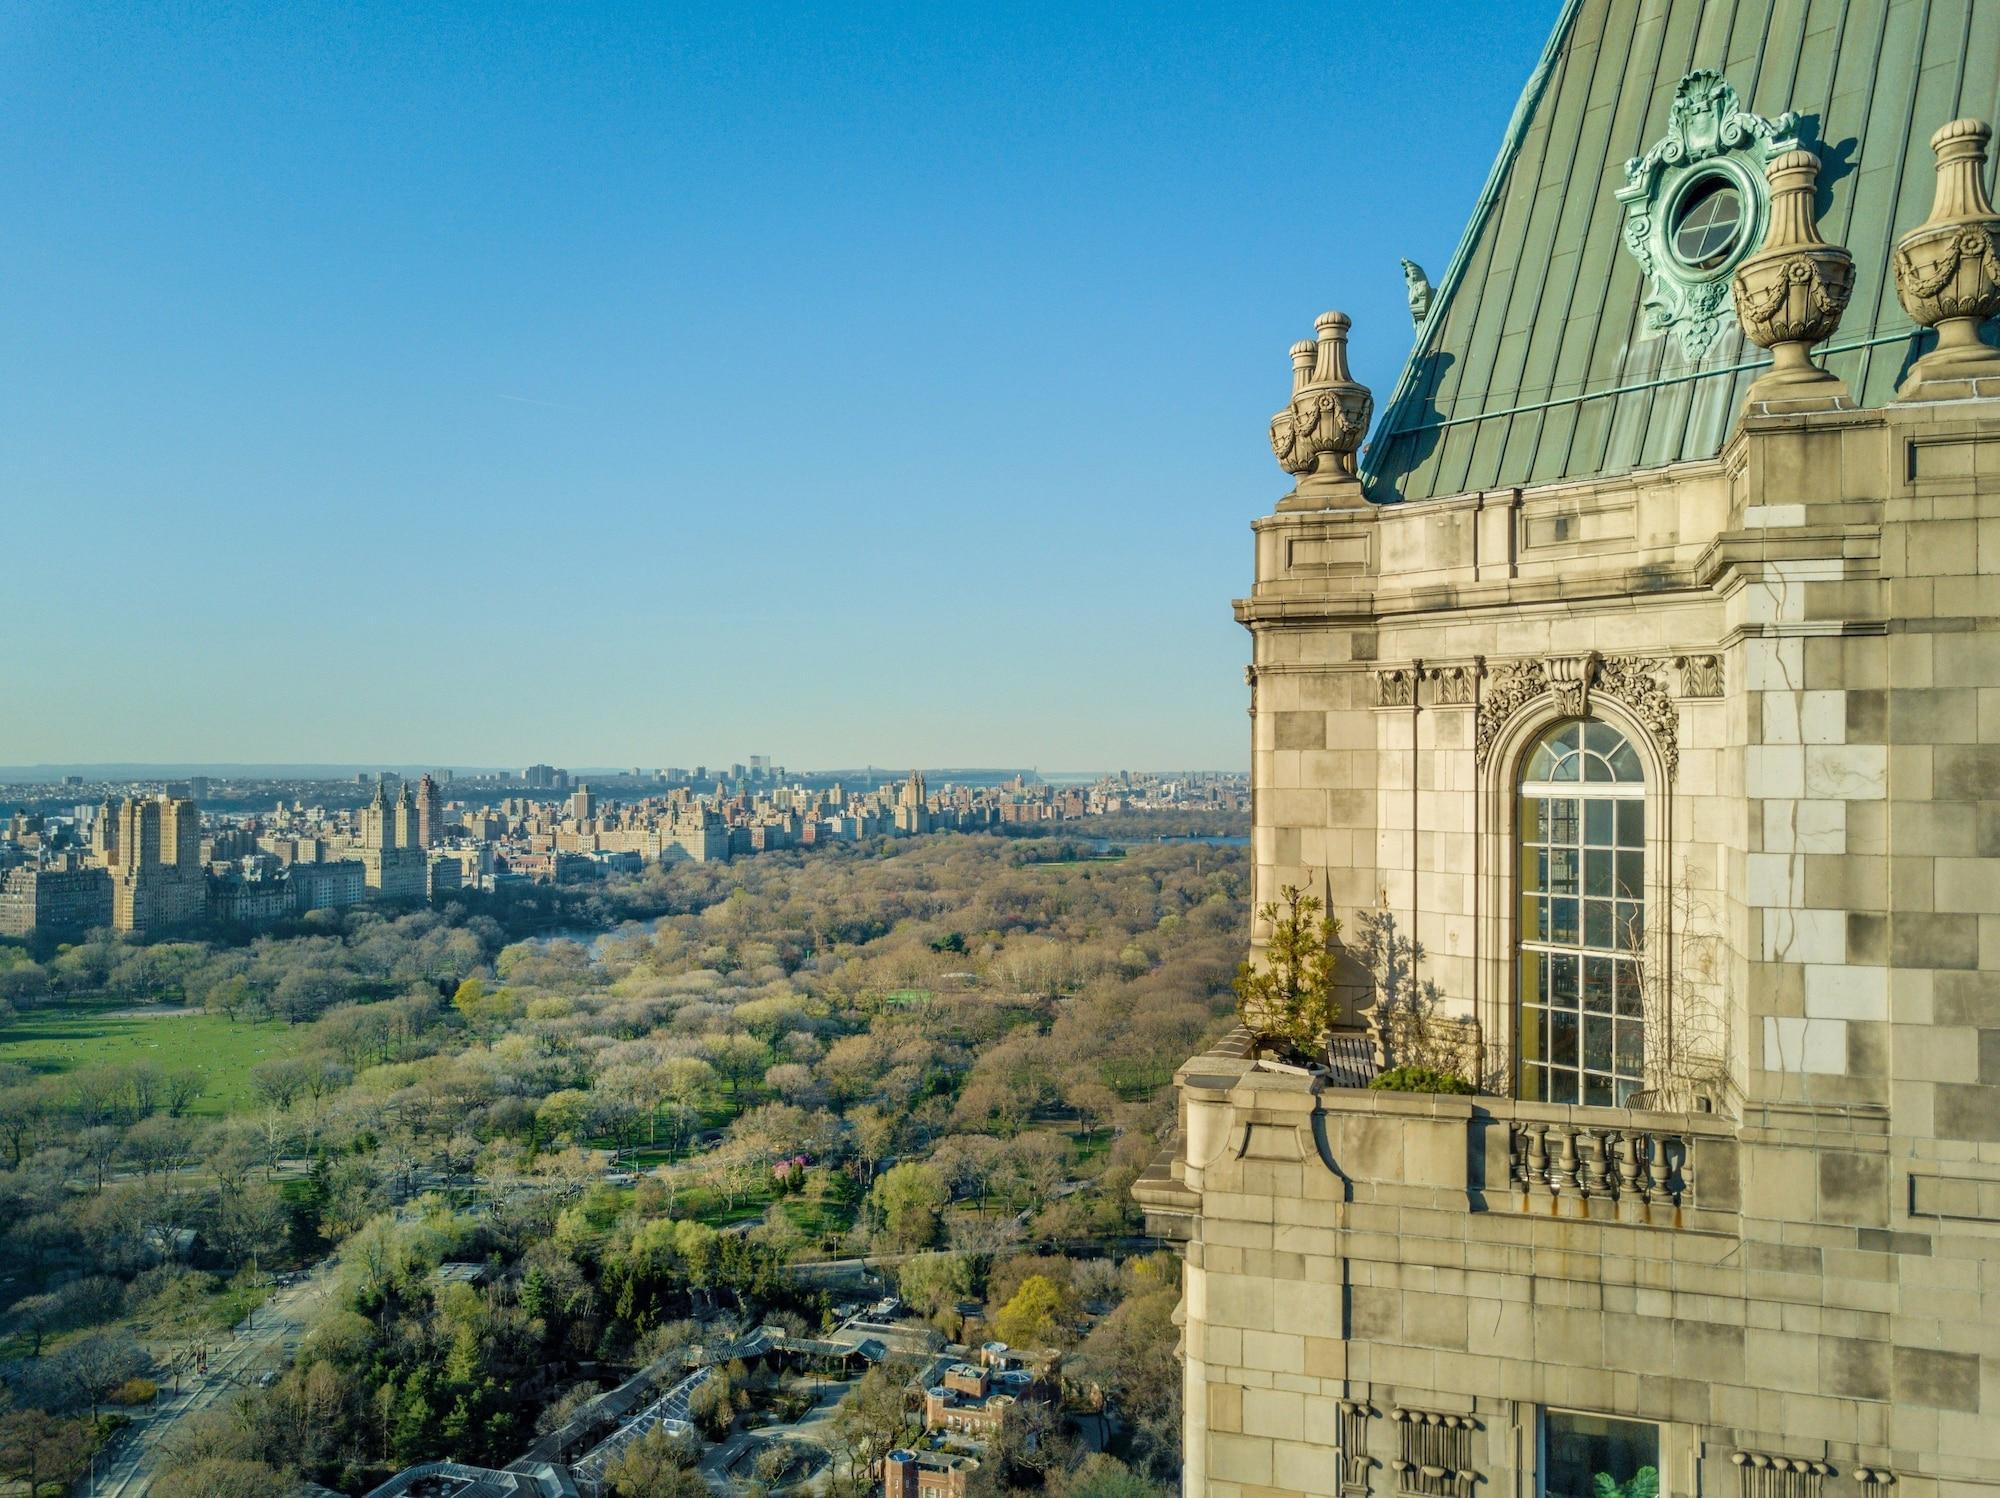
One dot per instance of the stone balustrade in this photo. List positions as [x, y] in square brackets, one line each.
[1614, 1164]
[1242, 1121]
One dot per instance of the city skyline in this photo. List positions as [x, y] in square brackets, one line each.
[504, 383]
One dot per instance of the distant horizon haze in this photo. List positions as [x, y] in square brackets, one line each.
[142, 770]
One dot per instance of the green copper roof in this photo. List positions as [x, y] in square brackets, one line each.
[1538, 360]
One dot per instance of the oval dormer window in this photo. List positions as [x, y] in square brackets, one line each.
[1708, 223]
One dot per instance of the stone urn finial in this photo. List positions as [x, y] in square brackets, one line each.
[1317, 435]
[1791, 292]
[1948, 270]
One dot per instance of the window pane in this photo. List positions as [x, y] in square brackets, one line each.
[1597, 1043]
[1597, 822]
[1597, 985]
[1625, 763]
[1562, 1086]
[1631, 875]
[1591, 1456]
[1595, 768]
[1630, 1002]
[1562, 871]
[1532, 965]
[1630, 926]
[1532, 830]
[1562, 819]
[1566, 768]
[1596, 1090]
[1601, 738]
[1562, 980]
[1562, 1037]
[1533, 1083]
[1567, 739]
[1562, 921]
[1534, 870]
[1597, 874]
[1631, 824]
[1631, 1048]
[1542, 765]
[1597, 924]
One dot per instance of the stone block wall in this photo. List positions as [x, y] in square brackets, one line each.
[1802, 636]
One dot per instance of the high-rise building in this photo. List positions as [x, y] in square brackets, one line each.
[912, 811]
[151, 849]
[430, 813]
[1642, 672]
[393, 866]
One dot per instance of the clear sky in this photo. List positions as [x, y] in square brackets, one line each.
[600, 384]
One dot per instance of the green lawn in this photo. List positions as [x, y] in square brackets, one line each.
[56, 1041]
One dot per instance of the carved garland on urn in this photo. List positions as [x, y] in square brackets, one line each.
[1632, 681]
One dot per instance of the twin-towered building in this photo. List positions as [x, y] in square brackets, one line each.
[1651, 682]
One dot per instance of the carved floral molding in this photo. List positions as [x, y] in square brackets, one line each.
[1632, 681]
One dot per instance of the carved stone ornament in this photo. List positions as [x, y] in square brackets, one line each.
[1570, 677]
[1874, 1477]
[1420, 291]
[1573, 680]
[1317, 435]
[1396, 688]
[1453, 686]
[1762, 1476]
[1513, 687]
[1436, 1460]
[1790, 294]
[1353, 1448]
[1636, 685]
[1250, 681]
[1701, 675]
[1948, 267]
[1708, 136]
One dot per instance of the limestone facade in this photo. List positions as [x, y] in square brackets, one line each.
[1782, 1278]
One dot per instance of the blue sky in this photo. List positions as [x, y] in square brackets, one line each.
[649, 384]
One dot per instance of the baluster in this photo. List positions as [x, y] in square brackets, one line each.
[1539, 1180]
[1569, 1180]
[1596, 1179]
[1685, 1197]
[1628, 1166]
[1656, 1170]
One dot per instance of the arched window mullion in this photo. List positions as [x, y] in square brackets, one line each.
[1582, 840]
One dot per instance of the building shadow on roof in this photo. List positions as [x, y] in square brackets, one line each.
[1409, 431]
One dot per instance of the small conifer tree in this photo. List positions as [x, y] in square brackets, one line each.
[1291, 998]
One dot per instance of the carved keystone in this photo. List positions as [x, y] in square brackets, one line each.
[1948, 271]
[1317, 435]
[1790, 294]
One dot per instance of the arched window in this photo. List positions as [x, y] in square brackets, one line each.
[1581, 1021]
